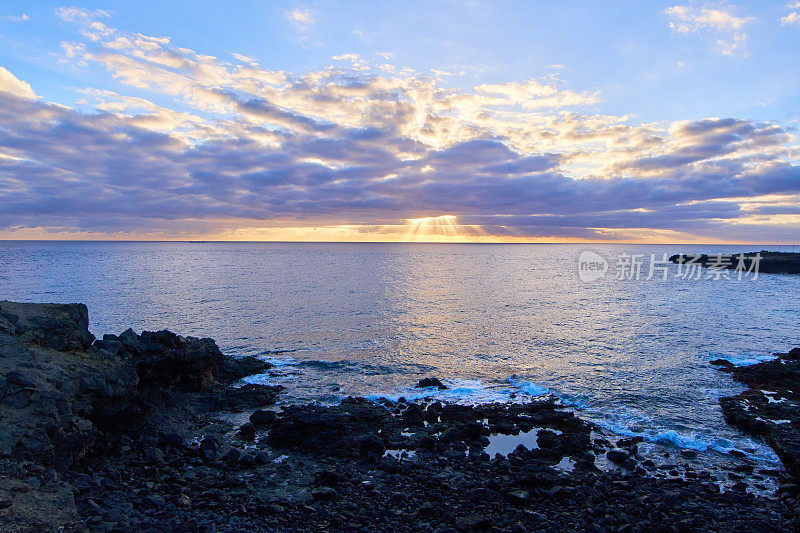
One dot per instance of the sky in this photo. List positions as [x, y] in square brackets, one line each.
[401, 121]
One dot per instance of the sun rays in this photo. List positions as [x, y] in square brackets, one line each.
[444, 228]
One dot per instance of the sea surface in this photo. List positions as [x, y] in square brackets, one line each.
[495, 322]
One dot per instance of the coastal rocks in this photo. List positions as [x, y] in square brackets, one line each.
[166, 360]
[248, 396]
[324, 493]
[64, 398]
[317, 487]
[518, 497]
[353, 426]
[147, 455]
[209, 447]
[61, 327]
[51, 386]
[431, 382]
[770, 408]
[234, 368]
[247, 432]
[263, 417]
[722, 362]
[169, 361]
[762, 262]
[617, 456]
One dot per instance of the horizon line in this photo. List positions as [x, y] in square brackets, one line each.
[205, 241]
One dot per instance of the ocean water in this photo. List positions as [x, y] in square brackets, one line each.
[495, 322]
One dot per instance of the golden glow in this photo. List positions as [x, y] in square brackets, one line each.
[441, 229]
[444, 228]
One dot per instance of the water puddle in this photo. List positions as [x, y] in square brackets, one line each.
[566, 464]
[400, 454]
[505, 444]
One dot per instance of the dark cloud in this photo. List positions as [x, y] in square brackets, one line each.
[363, 149]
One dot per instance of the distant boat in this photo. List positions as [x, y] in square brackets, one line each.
[197, 242]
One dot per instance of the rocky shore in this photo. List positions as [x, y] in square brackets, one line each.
[763, 262]
[770, 407]
[153, 432]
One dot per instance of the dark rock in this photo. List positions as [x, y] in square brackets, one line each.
[518, 497]
[328, 478]
[247, 460]
[617, 456]
[431, 382]
[323, 493]
[472, 523]
[124, 476]
[173, 362]
[739, 486]
[345, 430]
[246, 432]
[209, 447]
[20, 380]
[171, 439]
[247, 396]
[426, 509]
[722, 362]
[111, 346]
[235, 368]
[61, 327]
[753, 413]
[768, 262]
[793, 355]
[130, 340]
[233, 455]
[263, 417]
[371, 446]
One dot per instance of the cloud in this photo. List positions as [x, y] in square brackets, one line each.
[10, 84]
[303, 20]
[724, 27]
[232, 149]
[77, 14]
[792, 18]
[16, 18]
[301, 17]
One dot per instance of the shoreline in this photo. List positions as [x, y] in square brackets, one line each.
[125, 433]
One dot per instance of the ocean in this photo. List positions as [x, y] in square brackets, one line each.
[495, 322]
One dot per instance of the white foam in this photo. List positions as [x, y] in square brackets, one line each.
[535, 390]
[464, 392]
[741, 359]
[282, 361]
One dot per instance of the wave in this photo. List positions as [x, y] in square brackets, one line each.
[466, 392]
[620, 421]
[739, 359]
[344, 365]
